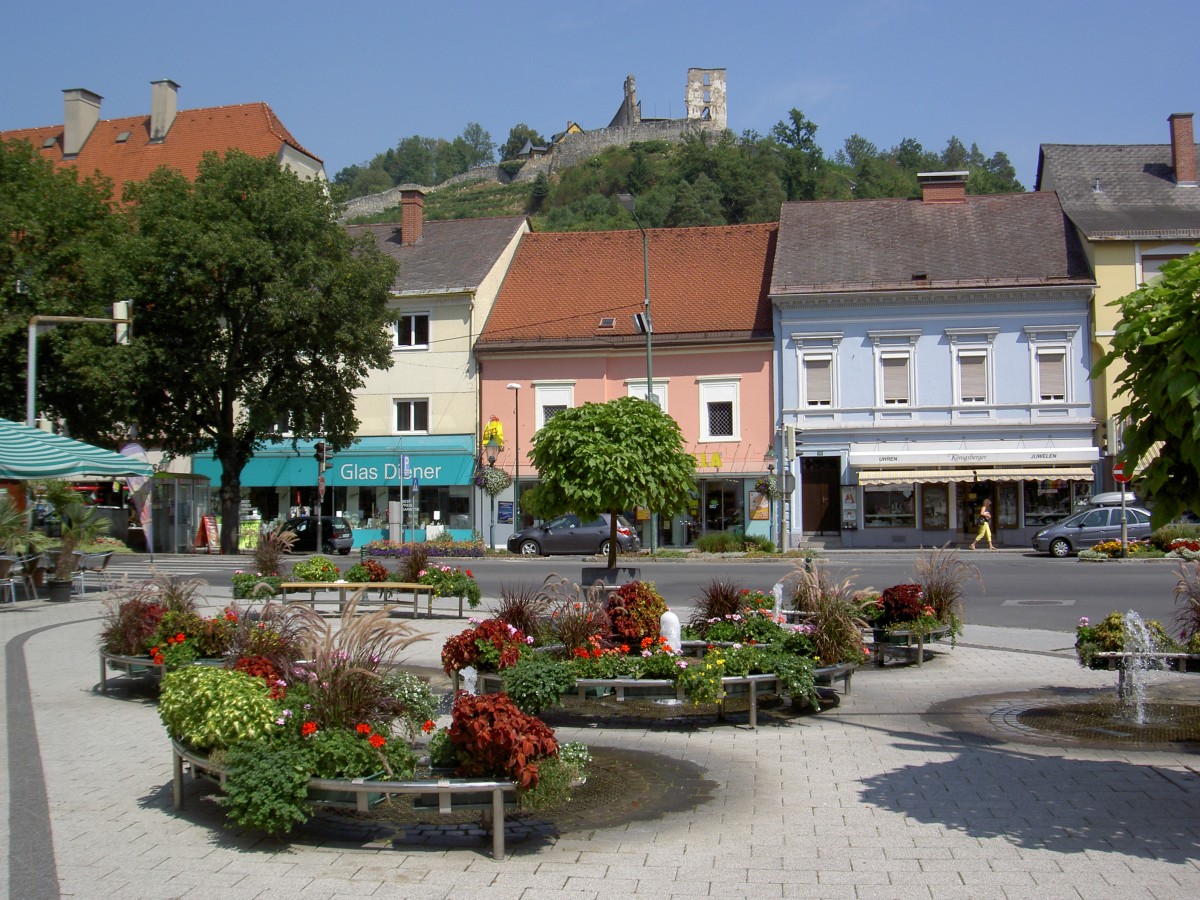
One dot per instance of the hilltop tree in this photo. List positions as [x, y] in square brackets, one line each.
[252, 305]
[517, 136]
[607, 458]
[1156, 342]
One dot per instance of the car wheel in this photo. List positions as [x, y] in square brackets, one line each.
[604, 547]
[1060, 548]
[530, 548]
[345, 552]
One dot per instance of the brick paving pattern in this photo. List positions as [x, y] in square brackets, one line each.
[914, 786]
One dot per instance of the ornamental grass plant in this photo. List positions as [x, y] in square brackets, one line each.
[575, 615]
[1187, 595]
[942, 574]
[833, 610]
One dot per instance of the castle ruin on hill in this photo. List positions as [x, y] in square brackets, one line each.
[704, 100]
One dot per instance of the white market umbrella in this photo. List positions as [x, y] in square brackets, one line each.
[27, 454]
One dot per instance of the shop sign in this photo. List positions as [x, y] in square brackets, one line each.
[983, 456]
[413, 469]
[710, 460]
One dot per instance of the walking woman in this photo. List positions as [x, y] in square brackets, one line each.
[985, 525]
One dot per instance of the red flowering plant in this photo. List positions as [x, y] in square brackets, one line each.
[902, 607]
[489, 646]
[493, 738]
[635, 610]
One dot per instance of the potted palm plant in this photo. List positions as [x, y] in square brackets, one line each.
[80, 525]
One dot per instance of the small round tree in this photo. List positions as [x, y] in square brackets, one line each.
[609, 457]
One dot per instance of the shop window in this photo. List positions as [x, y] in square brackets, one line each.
[411, 332]
[412, 416]
[1046, 502]
[1007, 493]
[935, 506]
[719, 410]
[889, 506]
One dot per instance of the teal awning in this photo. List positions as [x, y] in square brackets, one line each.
[29, 453]
[369, 462]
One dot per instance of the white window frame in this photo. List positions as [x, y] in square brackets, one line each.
[412, 314]
[1051, 340]
[895, 345]
[411, 402]
[635, 387]
[720, 389]
[973, 342]
[817, 346]
[558, 393]
[1159, 256]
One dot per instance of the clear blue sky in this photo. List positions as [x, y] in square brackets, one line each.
[350, 80]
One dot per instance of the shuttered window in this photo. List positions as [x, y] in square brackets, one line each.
[895, 379]
[972, 376]
[818, 380]
[1052, 374]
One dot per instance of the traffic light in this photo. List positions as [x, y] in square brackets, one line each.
[789, 441]
[1111, 436]
[321, 455]
[120, 314]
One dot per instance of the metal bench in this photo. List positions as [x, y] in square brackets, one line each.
[364, 588]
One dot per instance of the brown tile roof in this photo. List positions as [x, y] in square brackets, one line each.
[703, 282]
[1001, 240]
[452, 255]
[1138, 198]
[251, 127]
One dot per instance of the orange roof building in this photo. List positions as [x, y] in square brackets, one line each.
[130, 148]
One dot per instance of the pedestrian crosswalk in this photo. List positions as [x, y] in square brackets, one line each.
[137, 566]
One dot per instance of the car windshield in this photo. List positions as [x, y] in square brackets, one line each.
[1074, 519]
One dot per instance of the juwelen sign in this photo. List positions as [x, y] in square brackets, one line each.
[1119, 475]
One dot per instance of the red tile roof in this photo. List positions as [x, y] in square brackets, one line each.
[251, 127]
[703, 281]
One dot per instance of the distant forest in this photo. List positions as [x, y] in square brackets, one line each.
[702, 180]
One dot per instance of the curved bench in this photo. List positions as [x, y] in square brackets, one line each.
[438, 793]
[905, 640]
[133, 666]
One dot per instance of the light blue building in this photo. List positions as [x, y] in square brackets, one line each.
[932, 353]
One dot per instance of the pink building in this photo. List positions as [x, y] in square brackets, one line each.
[563, 330]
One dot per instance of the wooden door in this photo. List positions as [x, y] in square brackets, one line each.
[820, 501]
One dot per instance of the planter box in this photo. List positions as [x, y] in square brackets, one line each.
[347, 799]
[610, 578]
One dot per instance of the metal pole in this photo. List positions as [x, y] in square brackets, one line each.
[1124, 524]
[31, 375]
[517, 461]
[492, 524]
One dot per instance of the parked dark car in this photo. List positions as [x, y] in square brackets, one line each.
[336, 534]
[1089, 527]
[571, 534]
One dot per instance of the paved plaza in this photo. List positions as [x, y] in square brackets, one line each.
[919, 784]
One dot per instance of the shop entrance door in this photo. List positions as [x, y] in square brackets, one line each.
[970, 499]
[722, 504]
[820, 502]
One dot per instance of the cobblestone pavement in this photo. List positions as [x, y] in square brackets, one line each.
[914, 786]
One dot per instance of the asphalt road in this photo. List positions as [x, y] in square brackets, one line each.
[1019, 589]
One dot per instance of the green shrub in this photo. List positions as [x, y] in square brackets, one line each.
[252, 586]
[316, 568]
[1162, 537]
[414, 696]
[266, 785]
[556, 776]
[537, 682]
[207, 707]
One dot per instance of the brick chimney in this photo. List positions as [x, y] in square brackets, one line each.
[80, 117]
[943, 187]
[1183, 149]
[412, 213]
[164, 103]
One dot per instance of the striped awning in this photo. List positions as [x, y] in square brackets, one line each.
[28, 453]
[983, 473]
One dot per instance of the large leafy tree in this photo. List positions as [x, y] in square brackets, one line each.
[607, 458]
[56, 235]
[251, 306]
[1156, 342]
[517, 136]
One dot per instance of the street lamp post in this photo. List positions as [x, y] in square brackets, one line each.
[38, 324]
[513, 386]
[629, 203]
[769, 456]
[491, 447]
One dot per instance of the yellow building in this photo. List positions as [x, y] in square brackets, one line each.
[1135, 206]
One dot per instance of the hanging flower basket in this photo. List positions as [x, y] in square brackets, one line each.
[494, 481]
[768, 487]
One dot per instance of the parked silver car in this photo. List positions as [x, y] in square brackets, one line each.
[1089, 527]
[570, 534]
